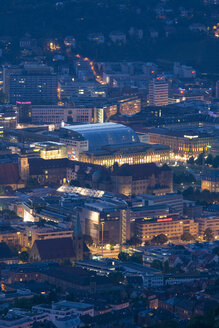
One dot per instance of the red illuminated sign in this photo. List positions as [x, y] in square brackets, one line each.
[23, 103]
[164, 220]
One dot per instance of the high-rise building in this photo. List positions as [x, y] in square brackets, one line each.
[35, 83]
[158, 92]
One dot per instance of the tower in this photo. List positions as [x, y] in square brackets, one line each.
[23, 167]
[78, 241]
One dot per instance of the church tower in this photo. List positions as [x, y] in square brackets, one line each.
[23, 167]
[78, 241]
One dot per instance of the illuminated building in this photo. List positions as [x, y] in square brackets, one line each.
[174, 201]
[47, 114]
[91, 137]
[24, 111]
[58, 114]
[79, 113]
[68, 88]
[41, 170]
[34, 83]
[158, 92]
[129, 106]
[173, 228]
[211, 222]
[129, 154]
[142, 179]
[108, 219]
[8, 118]
[50, 150]
[182, 142]
[210, 181]
[107, 143]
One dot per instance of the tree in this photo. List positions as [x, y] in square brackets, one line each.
[216, 250]
[24, 256]
[216, 162]
[157, 264]
[159, 239]
[200, 159]
[124, 257]
[136, 258]
[88, 240]
[209, 160]
[116, 277]
[208, 235]
[191, 161]
[186, 236]
[134, 241]
[75, 183]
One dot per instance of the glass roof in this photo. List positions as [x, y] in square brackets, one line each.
[102, 134]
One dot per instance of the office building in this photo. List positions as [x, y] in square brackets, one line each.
[210, 181]
[174, 201]
[24, 110]
[35, 83]
[69, 88]
[184, 142]
[172, 227]
[50, 150]
[105, 220]
[158, 92]
[8, 118]
[211, 222]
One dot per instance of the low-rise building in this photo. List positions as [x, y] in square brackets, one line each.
[63, 309]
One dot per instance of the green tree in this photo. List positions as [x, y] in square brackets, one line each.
[191, 161]
[134, 241]
[136, 258]
[208, 235]
[216, 162]
[159, 239]
[157, 264]
[124, 257]
[116, 277]
[200, 159]
[23, 256]
[209, 160]
[186, 236]
[216, 251]
[75, 183]
[88, 240]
